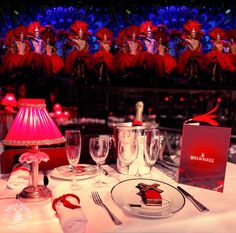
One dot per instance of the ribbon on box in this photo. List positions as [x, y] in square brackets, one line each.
[207, 117]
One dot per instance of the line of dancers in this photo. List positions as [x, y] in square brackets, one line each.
[136, 50]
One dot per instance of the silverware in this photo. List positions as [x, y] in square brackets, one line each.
[98, 201]
[170, 163]
[17, 196]
[45, 178]
[165, 166]
[197, 204]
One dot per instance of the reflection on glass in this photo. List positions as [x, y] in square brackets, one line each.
[73, 150]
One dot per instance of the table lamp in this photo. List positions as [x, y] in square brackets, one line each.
[33, 127]
[9, 100]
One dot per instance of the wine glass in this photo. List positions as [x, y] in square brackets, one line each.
[127, 146]
[98, 149]
[152, 146]
[73, 150]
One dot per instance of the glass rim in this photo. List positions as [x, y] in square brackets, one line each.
[99, 138]
[72, 131]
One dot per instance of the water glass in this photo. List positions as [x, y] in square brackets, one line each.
[73, 150]
[98, 149]
[127, 146]
[153, 144]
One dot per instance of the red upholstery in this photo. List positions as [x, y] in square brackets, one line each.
[57, 158]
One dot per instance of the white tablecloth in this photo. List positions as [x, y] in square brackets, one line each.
[40, 217]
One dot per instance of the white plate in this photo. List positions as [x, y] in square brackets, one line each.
[126, 193]
[65, 172]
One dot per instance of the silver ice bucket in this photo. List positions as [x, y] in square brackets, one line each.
[121, 133]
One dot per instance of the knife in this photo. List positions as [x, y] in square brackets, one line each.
[17, 196]
[45, 178]
[197, 204]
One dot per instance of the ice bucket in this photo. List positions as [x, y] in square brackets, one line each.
[139, 166]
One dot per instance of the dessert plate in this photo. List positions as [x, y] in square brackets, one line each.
[125, 195]
[84, 171]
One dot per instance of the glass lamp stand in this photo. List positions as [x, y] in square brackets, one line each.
[34, 192]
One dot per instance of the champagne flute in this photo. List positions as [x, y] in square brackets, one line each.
[152, 146]
[98, 149]
[73, 150]
[127, 146]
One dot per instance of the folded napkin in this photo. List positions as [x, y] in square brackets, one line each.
[19, 177]
[70, 213]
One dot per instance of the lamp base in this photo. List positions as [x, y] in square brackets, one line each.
[35, 193]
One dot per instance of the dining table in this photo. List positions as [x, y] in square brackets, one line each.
[19, 216]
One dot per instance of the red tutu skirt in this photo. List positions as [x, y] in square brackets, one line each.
[57, 63]
[12, 62]
[39, 63]
[169, 63]
[124, 61]
[103, 57]
[74, 57]
[151, 62]
[226, 61]
[196, 56]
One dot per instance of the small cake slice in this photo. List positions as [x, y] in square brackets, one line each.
[150, 194]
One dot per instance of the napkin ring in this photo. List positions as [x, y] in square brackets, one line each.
[65, 202]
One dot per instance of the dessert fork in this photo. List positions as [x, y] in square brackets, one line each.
[98, 201]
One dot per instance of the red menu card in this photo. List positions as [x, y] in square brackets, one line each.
[204, 154]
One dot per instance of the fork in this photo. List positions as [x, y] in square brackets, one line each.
[98, 201]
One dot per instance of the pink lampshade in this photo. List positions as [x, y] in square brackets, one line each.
[9, 100]
[33, 126]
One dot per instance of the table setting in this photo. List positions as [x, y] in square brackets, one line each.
[133, 195]
[187, 219]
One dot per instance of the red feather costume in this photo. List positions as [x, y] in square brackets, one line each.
[120, 65]
[37, 60]
[231, 36]
[9, 66]
[162, 39]
[49, 38]
[131, 47]
[121, 41]
[81, 50]
[193, 53]
[104, 36]
[14, 59]
[149, 60]
[145, 26]
[217, 55]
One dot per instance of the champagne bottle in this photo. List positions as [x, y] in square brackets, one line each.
[138, 121]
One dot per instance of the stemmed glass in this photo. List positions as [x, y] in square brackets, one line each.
[127, 146]
[73, 150]
[152, 146]
[98, 149]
